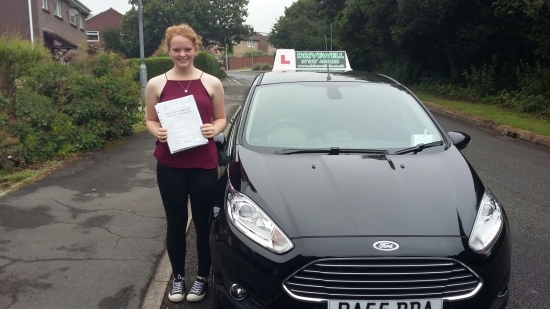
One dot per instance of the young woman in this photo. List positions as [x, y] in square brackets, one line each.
[190, 173]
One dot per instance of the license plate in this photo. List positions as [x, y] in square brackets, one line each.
[386, 304]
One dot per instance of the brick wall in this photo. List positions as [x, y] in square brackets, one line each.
[109, 19]
[61, 25]
[14, 18]
[265, 46]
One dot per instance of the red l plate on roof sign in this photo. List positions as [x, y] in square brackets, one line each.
[283, 60]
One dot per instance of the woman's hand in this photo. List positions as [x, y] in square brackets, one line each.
[208, 130]
[162, 135]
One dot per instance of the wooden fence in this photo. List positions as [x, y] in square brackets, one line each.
[247, 62]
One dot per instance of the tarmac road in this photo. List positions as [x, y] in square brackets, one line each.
[86, 236]
[518, 173]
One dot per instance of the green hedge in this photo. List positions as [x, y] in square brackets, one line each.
[17, 57]
[209, 64]
[54, 110]
[159, 65]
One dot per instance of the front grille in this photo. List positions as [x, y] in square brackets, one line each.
[383, 279]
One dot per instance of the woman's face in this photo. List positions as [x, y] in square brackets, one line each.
[182, 51]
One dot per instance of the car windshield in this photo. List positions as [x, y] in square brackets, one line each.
[344, 115]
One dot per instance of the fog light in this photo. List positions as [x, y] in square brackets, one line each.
[237, 292]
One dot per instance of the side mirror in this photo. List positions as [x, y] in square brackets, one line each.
[223, 159]
[459, 139]
[219, 139]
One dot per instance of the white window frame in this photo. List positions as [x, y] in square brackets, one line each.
[92, 33]
[72, 19]
[45, 4]
[249, 43]
[57, 8]
[81, 21]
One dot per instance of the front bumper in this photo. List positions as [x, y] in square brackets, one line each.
[238, 260]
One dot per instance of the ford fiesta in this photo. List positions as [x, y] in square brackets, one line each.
[342, 191]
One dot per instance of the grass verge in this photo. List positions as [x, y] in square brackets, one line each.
[533, 124]
[14, 179]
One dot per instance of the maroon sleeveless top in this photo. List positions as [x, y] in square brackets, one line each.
[205, 156]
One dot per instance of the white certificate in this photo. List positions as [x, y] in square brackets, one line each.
[181, 118]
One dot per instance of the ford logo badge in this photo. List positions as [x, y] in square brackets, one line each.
[385, 245]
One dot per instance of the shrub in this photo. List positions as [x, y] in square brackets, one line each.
[118, 94]
[394, 69]
[9, 144]
[534, 104]
[482, 81]
[155, 66]
[209, 64]
[57, 110]
[17, 56]
[534, 80]
[162, 50]
[256, 66]
[249, 53]
[534, 93]
[266, 67]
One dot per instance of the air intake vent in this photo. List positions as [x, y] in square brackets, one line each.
[383, 279]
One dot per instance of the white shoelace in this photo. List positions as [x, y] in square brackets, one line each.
[197, 287]
[177, 287]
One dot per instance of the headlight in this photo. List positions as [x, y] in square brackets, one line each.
[488, 223]
[250, 219]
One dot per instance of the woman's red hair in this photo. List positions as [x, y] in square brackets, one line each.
[183, 30]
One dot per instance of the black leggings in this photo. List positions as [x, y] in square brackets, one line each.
[175, 185]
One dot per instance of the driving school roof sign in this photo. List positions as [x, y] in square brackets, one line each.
[291, 60]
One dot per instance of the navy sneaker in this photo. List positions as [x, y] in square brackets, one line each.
[177, 291]
[198, 291]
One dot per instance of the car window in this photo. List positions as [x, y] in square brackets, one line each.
[335, 114]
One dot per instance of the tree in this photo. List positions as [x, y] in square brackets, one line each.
[113, 40]
[218, 22]
[363, 29]
[330, 9]
[457, 41]
[458, 33]
[421, 37]
[301, 28]
[532, 19]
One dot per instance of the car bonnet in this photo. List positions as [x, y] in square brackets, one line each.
[318, 195]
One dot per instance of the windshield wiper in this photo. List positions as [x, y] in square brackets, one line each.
[330, 151]
[418, 147]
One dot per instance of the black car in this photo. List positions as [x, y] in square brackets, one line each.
[342, 191]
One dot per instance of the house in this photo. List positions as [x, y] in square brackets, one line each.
[264, 45]
[60, 25]
[257, 42]
[109, 19]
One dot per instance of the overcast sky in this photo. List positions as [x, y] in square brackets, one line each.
[262, 14]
